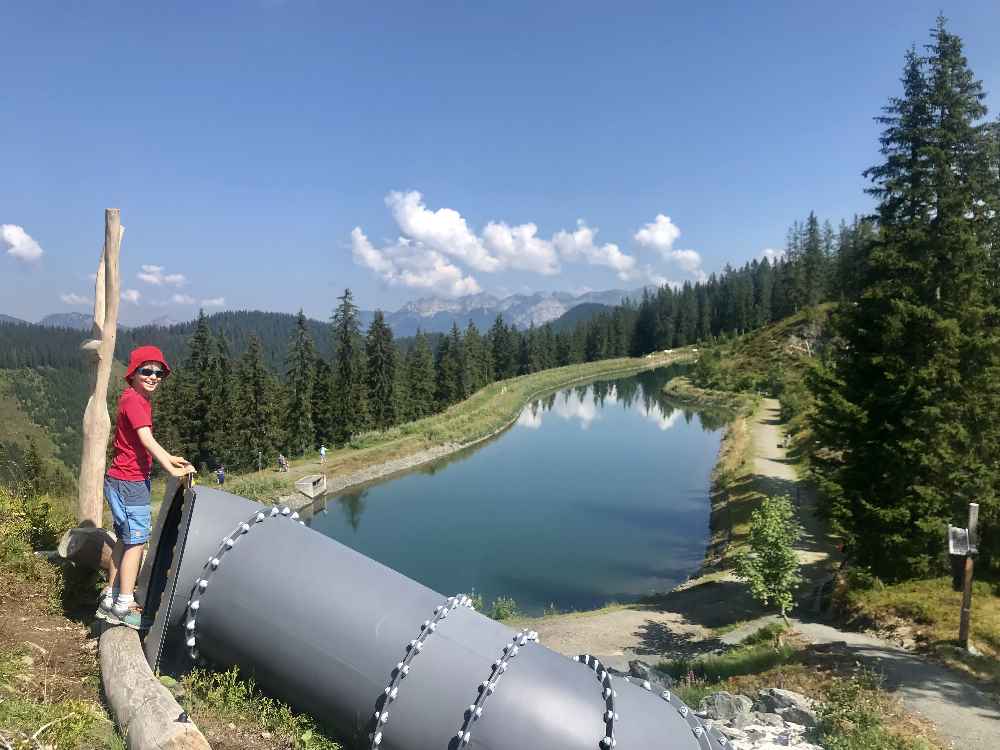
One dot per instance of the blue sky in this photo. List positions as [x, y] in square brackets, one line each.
[268, 154]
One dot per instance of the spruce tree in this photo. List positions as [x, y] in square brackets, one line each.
[322, 402]
[300, 372]
[256, 432]
[222, 406]
[477, 359]
[421, 378]
[908, 406]
[349, 408]
[381, 375]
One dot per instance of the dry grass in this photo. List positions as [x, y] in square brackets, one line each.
[733, 499]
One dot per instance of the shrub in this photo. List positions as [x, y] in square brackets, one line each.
[504, 607]
[771, 568]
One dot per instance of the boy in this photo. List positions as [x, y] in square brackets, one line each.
[126, 485]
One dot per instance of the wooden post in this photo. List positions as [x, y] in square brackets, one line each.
[101, 348]
[964, 620]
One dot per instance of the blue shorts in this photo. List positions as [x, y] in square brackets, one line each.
[129, 503]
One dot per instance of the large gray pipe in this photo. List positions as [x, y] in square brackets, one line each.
[382, 659]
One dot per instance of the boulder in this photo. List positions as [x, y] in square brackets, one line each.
[804, 716]
[769, 719]
[772, 699]
[724, 706]
[641, 673]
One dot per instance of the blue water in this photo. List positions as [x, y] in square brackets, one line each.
[598, 493]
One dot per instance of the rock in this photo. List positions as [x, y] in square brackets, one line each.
[640, 673]
[724, 706]
[769, 719]
[732, 733]
[804, 716]
[639, 668]
[771, 699]
[742, 721]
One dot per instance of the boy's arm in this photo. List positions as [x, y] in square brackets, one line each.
[174, 465]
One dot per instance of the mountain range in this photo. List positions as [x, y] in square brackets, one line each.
[430, 314]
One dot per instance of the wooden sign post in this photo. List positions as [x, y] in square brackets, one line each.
[970, 552]
[96, 420]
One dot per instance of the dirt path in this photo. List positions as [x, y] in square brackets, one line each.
[774, 474]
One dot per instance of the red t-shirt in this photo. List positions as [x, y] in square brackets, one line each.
[131, 462]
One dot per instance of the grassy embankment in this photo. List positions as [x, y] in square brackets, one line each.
[484, 413]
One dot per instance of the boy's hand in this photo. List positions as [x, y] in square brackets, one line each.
[181, 471]
[180, 467]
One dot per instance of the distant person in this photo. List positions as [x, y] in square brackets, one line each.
[282, 462]
[220, 475]
[322, 454]
[126, 485]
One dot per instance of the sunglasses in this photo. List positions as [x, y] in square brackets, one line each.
[149, 372]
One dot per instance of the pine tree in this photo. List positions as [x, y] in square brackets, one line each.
[503, 350]
[322, 402]
[381, 375]
[421, 378]
[222, 406]
[300, 371]
[477, 359]
[349, 408]
[908, 407]
[256, 434]
[450, 366]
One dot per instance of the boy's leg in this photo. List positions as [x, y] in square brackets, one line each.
[133, 539]
[129, 570]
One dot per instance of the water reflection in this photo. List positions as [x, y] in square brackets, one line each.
[583, 404]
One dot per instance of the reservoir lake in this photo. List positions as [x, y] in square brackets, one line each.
[598, 493]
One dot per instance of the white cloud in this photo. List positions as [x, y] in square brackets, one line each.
[436, 246]
[657, 279]
[772, 255]
[519, 248]
[660, 234]
[131, 295]
[183, 299]
[690, 261]
[413, 265]
[443, 230]
[71, 298]
[20, 245]
[214, 302]
[580, 244]
[155, 275]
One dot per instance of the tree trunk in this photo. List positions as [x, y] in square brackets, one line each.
[148, 715]
[96, 420]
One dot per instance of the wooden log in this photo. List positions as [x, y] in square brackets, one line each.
[87, 546]
[146, 712]
[101, 349]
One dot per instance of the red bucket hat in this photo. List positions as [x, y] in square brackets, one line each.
[145, 354]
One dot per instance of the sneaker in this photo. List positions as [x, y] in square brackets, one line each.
[105, 610]
[130, 618]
